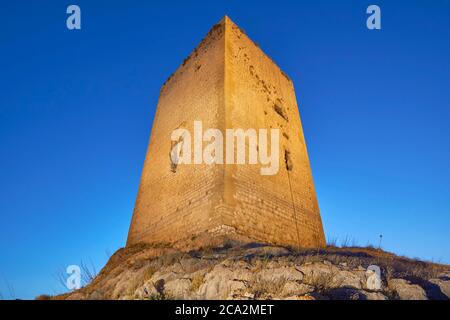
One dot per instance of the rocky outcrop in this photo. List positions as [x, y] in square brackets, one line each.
[255, 271]
[407, 291]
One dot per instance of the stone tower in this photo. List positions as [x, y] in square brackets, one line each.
[227, 82]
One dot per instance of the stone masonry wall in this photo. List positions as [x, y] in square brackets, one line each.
[282, 208]
[175, 205]
[227, 82]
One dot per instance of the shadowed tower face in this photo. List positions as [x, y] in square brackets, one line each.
[226, 83]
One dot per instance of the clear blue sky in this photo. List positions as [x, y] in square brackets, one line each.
[76, 109]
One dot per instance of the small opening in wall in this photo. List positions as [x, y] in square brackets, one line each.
[280, 110]
[175, 154]
[288, 160]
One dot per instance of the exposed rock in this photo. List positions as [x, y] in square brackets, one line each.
[345, 293]
[241, 296]
[263, 272]
[267, 250]
[76, 296]
[286, 273]
[221, 281]
[407, 291]
[95, 296]
[361, 268]
[180, 288]
[165, 275]
[317, 268]
[443, 284]
[300, 297]
[292, 288]
[146, 291]
[349, 279]
[373, 295]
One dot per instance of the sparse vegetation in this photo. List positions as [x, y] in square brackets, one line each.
[133, 284]
[260, 262]
[197, 281]
[262, 287]
[148, 272]
[322, 281]
[88, 272]
[332, 241]
[131, 268]
[158, 296]
[11, 292]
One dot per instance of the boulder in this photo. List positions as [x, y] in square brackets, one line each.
[146, 291]
[288, 273]
[348, 279]
[444, 285]
[178, 289]
[222, 281]
[407, 291]
[373, 295]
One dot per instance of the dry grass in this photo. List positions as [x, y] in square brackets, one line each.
[261, 287]
[197, 281]
[158, 296]
[143, 261]
[322, 281]
[88, 272]
[133, 284]
[353, 257]
[148, 272]
[260, 262]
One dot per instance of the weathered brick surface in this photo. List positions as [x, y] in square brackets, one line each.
[227, 82]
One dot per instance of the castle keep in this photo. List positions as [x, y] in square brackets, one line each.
[227, 82]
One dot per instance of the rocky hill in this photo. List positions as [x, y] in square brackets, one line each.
[257, 271]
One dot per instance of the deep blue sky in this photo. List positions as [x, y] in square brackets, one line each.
[76, 109]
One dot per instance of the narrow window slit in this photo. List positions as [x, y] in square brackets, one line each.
[288, 160]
